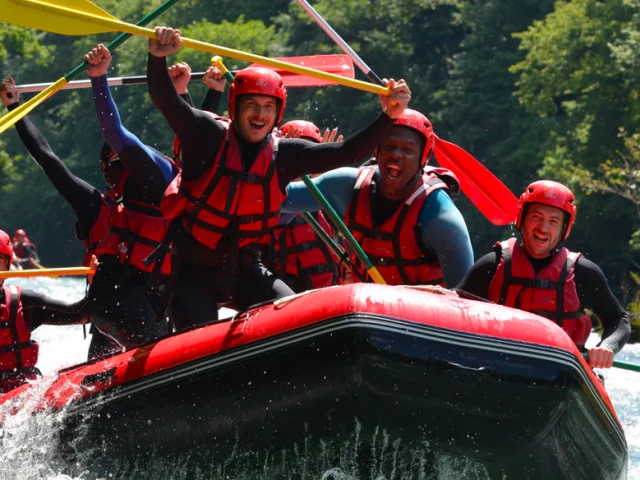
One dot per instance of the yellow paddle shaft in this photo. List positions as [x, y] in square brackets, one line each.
[119, 26]
[375, 276]
[47, 272]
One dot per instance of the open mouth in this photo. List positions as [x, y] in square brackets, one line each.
[540, 238]
[393, 170]
[257, 125]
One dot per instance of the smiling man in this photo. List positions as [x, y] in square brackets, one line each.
[234, 175]
[540, 275]
[398, 209]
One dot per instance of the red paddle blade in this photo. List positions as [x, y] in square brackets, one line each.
[337, 64]
[492, 197]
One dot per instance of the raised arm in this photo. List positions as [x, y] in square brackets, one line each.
[300, 157]
[215, 82]
[200, 135]
[149, 168]
[84, 199]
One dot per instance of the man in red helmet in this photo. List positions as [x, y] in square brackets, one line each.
[540, 275]
[300, 257]
[234, 175]
[25, 252]
[398, 209]
[21, 312]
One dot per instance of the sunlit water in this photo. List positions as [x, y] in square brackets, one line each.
[26, 453]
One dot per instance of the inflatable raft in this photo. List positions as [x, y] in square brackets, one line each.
[398, 377]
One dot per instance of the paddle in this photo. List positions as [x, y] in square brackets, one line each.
[14, 116]
[47, 272]
[337, 221]
[81, 17]
[339, 64]
[42, 267]
[328, 241]
[485, 190]
[371, 270]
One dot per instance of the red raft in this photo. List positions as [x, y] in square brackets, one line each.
[393, 373]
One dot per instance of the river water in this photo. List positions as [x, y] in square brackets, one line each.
[25, 451]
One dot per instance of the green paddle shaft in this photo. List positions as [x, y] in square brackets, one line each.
[355, 246]
[125, 36]
[329, 242]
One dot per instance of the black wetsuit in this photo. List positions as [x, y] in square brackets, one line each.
[109, 302]
[226, 276]
[122, 303]
[39, 309]
[591, 285]
[84, 199]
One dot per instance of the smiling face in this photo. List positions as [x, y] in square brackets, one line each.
[399, 162]
[542, 229]
[256, 116]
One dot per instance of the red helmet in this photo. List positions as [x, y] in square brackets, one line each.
[417, 121]
[548, 192]
[309, 130]
[19, 232]
[257, 81]
[6, 246]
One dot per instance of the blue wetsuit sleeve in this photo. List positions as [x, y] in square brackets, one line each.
[445, 233]
[336, 186]
[145, 159]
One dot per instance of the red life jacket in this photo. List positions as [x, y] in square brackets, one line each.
[18, 353]
[396, 246]
[24, 249]
[226, 202]
[98, 230]
[136, 229]
[302, 254]
[551, 293]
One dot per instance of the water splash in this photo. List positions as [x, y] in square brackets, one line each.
[28, 442]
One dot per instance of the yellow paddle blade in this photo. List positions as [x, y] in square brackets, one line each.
[17, 13]
[11, 118]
